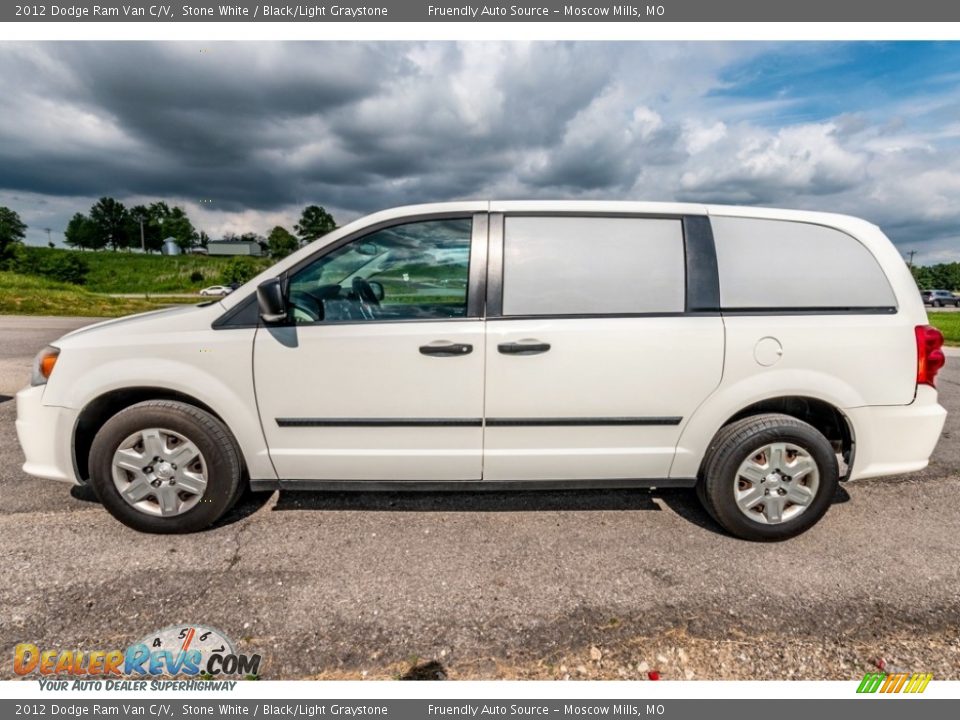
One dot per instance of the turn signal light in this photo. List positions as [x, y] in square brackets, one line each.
[930, 356]
[43, 365]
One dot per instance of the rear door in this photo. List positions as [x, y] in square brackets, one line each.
[603, 336]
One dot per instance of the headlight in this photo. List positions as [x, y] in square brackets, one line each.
[43, 365]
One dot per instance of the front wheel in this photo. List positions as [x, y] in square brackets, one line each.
[768, 477]
[165, 467]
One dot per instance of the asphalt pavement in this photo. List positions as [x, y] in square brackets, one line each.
[604, 584]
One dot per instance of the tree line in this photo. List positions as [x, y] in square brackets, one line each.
[943, 276]
[110, 224]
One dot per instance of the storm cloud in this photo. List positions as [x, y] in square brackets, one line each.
[244, 134]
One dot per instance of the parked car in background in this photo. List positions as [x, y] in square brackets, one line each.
[217, 290]
[940, 298]
[759, 356]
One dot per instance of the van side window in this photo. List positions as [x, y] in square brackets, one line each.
[592, 266]
[778, 264]
[416, 271]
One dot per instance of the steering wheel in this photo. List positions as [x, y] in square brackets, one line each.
[364, 292]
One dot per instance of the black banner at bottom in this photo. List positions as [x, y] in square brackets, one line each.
[875, 708]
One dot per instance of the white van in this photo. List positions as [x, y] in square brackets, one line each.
[759, 356]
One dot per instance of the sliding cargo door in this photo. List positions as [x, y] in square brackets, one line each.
[596, 351]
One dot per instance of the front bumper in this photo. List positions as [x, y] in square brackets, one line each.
[46, 436]
[896, 439]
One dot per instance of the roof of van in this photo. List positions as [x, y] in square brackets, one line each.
[620, 206]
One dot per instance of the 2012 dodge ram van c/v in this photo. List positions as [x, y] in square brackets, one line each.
[757, 355]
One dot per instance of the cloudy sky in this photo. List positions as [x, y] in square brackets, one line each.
[245, 134]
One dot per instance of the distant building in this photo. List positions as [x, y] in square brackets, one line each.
[170, 247]
[234, 247]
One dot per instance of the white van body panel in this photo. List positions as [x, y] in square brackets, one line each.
[657, 378]
[174, 350]
[370, 370]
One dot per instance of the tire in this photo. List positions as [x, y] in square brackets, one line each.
[937, 303]
[737, 446]
[168, 427]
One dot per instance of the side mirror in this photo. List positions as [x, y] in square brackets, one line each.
[377, 287]
[273, 307]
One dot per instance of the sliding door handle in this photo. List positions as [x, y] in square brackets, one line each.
[446, 349]
[524, 347]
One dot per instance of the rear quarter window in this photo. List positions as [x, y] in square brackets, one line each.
[779, 264]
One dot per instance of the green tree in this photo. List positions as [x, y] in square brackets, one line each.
[315, 222]
[81, 233]
[60, 265]
[281, 243]
[112, 222]
[142, 232]
[239, 269]
[66, 267]
[942, 276]
[178, 226]
[12, 232]
[154, 236]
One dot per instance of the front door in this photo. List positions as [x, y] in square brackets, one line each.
[595, 358]
[378, 372]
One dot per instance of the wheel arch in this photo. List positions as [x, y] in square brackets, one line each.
[823, 410]
[101, 408]
[827, 418]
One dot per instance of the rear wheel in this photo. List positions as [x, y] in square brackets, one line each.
[768, 477]
[165, 467]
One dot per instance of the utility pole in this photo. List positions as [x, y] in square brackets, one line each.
[143, 243]
[49, 241]
[911, 253]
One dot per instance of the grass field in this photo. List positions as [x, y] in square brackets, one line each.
[28, 295]
[127, 272]
[948, 324]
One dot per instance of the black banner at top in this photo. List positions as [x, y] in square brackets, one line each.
[526, 11]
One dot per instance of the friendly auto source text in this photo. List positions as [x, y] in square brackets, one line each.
[515, 709]
[475, 11]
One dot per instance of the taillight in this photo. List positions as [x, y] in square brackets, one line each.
[930, 357]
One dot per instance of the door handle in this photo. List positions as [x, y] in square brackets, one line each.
[524, 347]
[446, 349]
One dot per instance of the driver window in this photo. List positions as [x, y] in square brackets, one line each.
[416, 271]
